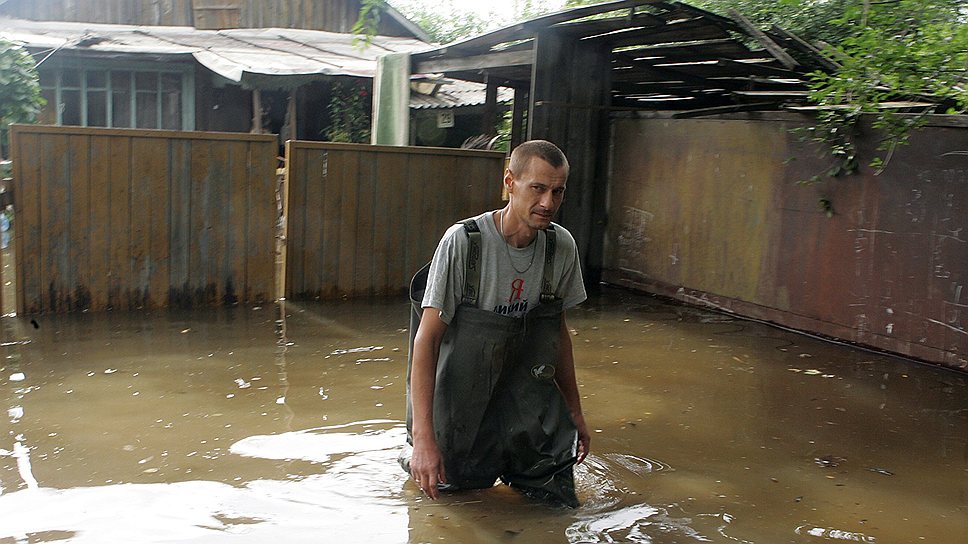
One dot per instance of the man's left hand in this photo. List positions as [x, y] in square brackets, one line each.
[584, 439]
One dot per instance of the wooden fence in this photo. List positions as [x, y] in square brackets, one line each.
[362, 219]
[125, 219]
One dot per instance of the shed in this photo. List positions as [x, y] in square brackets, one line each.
[571, 69]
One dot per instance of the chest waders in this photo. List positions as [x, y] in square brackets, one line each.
[498, 412]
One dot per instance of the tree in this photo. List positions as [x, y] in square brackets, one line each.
[20, 99]
[443, 21]
[899, 50]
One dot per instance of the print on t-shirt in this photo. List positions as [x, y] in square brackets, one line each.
[516, 306]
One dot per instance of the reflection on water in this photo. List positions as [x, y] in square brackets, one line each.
[251, 424]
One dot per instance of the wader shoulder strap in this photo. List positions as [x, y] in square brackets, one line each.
[547, 288]
[472, 268]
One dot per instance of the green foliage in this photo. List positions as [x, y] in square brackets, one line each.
[349, 113]
[446, 22]
[368, 23]
[20, 99]
[443, 21]
[812, 20]
[901, 50]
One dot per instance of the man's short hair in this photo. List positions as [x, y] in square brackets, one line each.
[543, 149]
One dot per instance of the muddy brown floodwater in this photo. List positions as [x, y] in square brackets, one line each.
[240, 425]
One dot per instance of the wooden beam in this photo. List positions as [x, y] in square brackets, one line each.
[682, 31]
[291, 109]
[601, 26]
[723, 48]
[256, 112]
[517, 116]
[489, 118]
[477, 62]
[702, 112]
[770, 45]
[518, 31]
[801, 44]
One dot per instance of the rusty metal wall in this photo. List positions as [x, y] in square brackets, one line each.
[362, 219]
[126, 219]
[709, 211]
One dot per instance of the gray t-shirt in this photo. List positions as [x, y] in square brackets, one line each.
[503, 289]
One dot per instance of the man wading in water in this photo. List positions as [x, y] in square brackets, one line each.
[491, 378]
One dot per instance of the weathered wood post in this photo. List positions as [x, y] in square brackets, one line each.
[570, 96]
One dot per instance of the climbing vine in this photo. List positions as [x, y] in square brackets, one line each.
[349, 113]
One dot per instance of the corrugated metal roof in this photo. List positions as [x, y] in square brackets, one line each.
[457, 93]
[239, 53]
[230, 53]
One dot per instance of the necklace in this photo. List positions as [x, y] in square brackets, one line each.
[507, 246]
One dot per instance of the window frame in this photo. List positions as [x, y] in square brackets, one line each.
[56, 68]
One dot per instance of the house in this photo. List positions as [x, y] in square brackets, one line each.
[329, 15]
[286, 67]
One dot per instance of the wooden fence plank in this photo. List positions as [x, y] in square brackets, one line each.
[217, 198]
[301, 223]
[54, 217]
[202, 291]
[180, 235]
[391, 222]
[119, 223]
[145, 172]
[100, 233]
[418, 224]
[330, 203]
[77, 284]
[238, 219]
[349, 165]
[27, 217]
[261, 186]
[366, 193]
[317, 165]
[157, 209]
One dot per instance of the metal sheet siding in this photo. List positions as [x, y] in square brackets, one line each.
[710, 212]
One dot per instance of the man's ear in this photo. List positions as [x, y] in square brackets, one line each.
[508, 180]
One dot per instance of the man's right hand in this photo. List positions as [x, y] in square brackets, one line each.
[427, 467]
[426, 464]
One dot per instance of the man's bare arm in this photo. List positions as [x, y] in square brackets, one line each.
[426, 464]
[568, 384]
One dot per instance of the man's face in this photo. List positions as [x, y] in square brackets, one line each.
[536, 193]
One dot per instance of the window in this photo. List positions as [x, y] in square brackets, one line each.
[107, 97]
